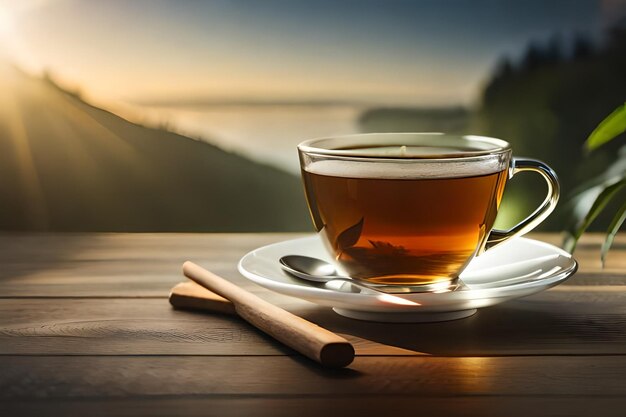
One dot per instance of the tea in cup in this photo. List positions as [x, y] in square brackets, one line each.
[411, 210]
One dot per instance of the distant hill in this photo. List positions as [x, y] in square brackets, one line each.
[66, 165]
[409, 119]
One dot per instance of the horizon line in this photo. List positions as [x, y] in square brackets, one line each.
[259, 102]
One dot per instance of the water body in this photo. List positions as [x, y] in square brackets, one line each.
[266, 133]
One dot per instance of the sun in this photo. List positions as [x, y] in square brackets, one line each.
[7, 24]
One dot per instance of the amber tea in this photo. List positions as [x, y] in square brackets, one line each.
[409, 211]
[404, 230]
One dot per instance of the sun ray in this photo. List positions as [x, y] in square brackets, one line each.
[33, 198]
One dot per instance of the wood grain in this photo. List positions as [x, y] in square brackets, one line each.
[362, 406]
[141, 376]
[148, 265]
[584, 323]
[85, 329]
[116, 265]
[355, 405]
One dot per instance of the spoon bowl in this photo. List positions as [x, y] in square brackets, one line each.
[310, 269]
[316, 270]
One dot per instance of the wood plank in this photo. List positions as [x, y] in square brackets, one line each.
[116, 265]
[363, 406]
[157, 284]
[71, 377]
[483, 365]
[148, 265]
[114, 327]
[553, 322]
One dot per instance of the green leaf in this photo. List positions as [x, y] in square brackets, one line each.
[615, 171]
[598, 205]
[613, 125]
[616, 223]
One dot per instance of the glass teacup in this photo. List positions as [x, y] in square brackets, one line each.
[411, 210]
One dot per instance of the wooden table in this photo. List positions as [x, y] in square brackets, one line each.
[86, 329]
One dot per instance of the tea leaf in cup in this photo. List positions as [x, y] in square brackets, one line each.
[350, 236]
[386, 247]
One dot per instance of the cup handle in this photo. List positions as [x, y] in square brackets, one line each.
[520, 165]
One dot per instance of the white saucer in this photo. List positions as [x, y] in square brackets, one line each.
[512, 270]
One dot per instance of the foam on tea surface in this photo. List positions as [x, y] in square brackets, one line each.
[412, 162]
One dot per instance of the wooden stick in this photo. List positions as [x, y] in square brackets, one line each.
[189, 295]
[307, 338]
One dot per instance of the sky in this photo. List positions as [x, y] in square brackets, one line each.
[425, 52]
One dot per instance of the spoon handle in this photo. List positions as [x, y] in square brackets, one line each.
[307, 338]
